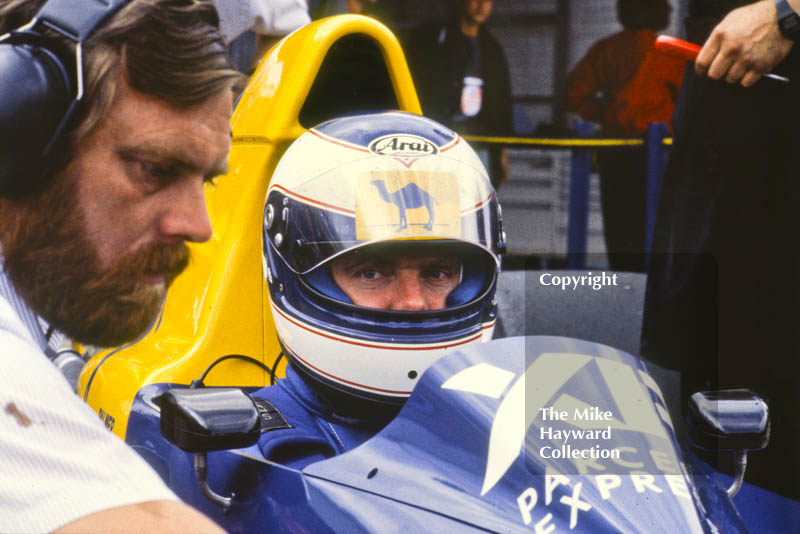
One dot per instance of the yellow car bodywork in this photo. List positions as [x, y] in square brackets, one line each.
[219, 305]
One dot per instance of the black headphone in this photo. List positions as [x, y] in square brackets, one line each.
[41, 84]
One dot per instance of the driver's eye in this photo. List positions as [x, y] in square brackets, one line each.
[370, 274]
[441, 272]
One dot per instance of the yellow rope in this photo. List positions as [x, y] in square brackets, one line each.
[530, 141]
[582, 143]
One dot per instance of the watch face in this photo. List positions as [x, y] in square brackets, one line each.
[790, 24]
[788, 20]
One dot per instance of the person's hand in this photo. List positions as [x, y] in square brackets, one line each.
[745, 45]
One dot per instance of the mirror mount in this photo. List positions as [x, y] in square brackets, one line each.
[739, 468]
[201, 472]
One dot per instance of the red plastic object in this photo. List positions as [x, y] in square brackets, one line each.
[677, 47]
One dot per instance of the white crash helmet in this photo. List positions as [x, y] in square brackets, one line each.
[390, 179]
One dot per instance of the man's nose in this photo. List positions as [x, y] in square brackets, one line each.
[410, 294]
[186, 216]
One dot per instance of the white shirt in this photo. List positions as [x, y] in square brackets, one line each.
[58, 462]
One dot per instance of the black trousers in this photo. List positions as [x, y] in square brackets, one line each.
[623, 183]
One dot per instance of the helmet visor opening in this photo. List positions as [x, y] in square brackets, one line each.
[403, 276]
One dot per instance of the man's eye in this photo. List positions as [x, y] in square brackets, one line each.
[369, 274]
[439, 274]
[158, 171]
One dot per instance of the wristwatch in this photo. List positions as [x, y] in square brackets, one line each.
[788, 20]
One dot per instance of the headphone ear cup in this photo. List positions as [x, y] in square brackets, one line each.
[35, 97]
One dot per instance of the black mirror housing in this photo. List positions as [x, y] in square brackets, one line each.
[209, 419]
[728, 420]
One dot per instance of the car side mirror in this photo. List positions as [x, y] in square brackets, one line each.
[730, 420]
[734, 420]
[209, 419]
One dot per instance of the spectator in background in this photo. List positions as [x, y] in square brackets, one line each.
[359, 7]
[623, 84]
[462, 77]
[326, 8]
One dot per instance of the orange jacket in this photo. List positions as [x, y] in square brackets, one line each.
[623, 83]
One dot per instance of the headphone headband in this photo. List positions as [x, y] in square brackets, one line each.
[77, 20]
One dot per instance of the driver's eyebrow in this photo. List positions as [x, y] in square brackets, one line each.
[444, 260]
[355, 261]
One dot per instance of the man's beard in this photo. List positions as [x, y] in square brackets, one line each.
[55, 268]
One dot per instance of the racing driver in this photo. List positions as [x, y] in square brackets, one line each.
[382, 240]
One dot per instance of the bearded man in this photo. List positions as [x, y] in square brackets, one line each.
[91, 235]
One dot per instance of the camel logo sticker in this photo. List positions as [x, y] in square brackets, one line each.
[403, 146]
[394, 204]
